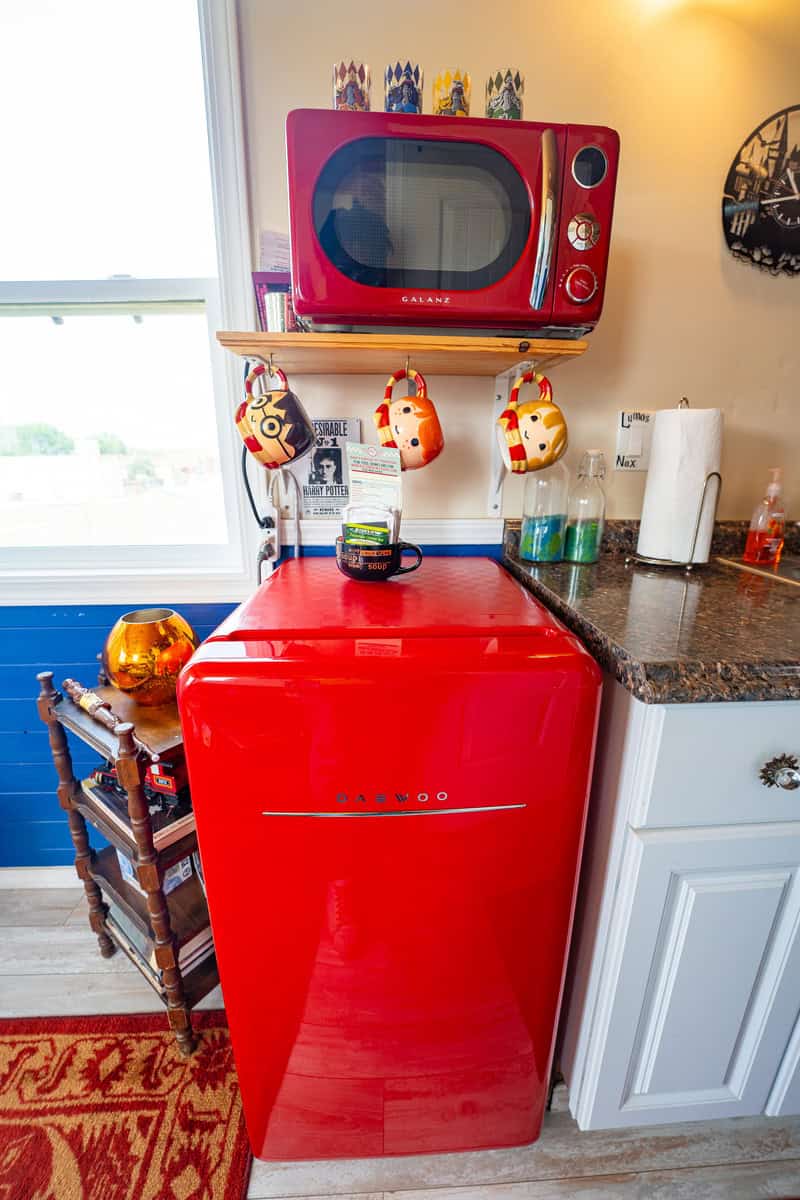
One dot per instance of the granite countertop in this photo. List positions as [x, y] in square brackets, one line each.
[670, 638]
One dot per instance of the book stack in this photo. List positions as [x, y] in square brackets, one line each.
[192, 951]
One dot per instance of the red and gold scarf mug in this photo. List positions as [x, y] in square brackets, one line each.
[411, 424]
[532, 435]
[273, 424]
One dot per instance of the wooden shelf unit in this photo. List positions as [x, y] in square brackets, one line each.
[162, 923]
[378, 353]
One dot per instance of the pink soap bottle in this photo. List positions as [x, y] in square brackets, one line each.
[765, 536]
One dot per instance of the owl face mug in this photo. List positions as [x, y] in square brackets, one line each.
[273, 424]
[532, 435]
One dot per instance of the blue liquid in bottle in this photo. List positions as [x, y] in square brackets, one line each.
[544, 514]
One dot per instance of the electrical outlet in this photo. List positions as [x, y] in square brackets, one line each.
[634, 433]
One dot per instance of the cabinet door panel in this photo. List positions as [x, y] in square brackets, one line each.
[717, 928]
[701, 764]
[705, 993]
[784, 1099]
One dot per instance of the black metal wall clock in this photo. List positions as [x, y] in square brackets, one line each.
[761, 204]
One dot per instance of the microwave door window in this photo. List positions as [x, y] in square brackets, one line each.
[420, 213]
[470, 232]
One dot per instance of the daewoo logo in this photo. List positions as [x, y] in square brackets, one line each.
[388, 797]
[426, 299]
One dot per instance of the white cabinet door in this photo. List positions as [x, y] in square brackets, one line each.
[784, 1099]
[700, 981]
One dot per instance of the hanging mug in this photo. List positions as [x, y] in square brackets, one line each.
[411, 424]
[273, 424]
[532, 435]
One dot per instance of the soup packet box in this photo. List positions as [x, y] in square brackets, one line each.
[358, 533]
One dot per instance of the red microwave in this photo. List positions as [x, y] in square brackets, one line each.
[445, 223]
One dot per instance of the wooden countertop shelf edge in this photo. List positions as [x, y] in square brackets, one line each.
[378, 353]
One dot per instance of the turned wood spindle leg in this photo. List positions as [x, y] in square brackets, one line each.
[68, 787]
[130, 775]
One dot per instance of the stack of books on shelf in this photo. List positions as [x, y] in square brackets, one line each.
[192, 951]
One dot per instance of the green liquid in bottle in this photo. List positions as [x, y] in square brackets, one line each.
[583, 541]
[586, 511]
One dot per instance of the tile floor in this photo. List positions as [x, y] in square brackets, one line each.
[49, 964]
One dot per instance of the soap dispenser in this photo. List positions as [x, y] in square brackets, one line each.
[765, 536]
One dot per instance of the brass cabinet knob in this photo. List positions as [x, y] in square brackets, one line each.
[781, 772]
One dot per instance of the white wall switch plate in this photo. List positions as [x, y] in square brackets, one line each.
[634, 432]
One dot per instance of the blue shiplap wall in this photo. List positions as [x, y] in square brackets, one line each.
[64, 640]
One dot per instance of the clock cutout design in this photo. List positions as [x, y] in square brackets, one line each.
[761, 203]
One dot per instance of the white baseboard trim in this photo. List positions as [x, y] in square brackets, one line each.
[470, 531]
[38, 877]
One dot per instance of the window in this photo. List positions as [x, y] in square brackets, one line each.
[118, 454]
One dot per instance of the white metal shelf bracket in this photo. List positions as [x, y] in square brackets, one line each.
[502, 390]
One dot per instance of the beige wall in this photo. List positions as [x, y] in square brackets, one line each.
[684, 83]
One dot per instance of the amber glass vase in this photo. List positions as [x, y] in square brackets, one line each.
[145, 651]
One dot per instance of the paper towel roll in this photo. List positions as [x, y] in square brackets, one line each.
[686, 447]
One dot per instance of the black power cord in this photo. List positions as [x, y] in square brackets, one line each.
[261, 522]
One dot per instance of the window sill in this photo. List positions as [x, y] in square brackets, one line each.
[103, 586]
[195, 584]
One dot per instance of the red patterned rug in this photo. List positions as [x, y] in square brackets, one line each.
[105, 1108]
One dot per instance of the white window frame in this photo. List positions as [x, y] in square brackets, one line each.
[98, 575]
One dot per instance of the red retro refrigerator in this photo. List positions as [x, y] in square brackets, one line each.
[390, 785]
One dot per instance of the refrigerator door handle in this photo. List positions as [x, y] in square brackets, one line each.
[400, 812]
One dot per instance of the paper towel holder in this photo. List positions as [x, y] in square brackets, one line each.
[669, 562]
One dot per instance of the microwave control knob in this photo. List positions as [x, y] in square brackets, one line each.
[583, 231]
[580, 284]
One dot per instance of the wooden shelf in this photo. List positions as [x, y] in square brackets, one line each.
[201, 980]
[187, 903]
[188, 913]
[197, 982]
[93, 808]
[378, 353]
[159, 729]
[126, 842]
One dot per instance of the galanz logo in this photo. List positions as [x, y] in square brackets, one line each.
[425, 299]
